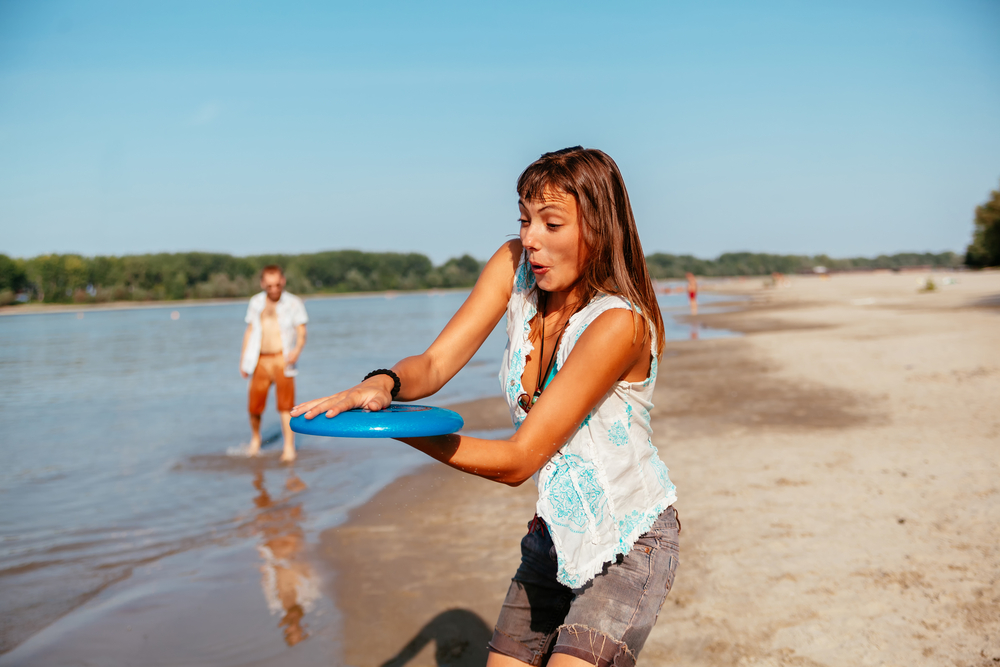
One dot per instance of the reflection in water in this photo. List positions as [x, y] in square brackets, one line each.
[289, 583]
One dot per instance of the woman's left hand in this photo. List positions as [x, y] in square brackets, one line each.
[373, 394]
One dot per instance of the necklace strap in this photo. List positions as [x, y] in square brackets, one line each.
[541, 352]
[525, 401]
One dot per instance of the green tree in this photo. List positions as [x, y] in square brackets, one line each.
[13, 277]
[985, 247]
[57, 278]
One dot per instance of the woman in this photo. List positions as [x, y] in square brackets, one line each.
[584, 334]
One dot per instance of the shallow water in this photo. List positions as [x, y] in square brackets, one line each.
[132, 530]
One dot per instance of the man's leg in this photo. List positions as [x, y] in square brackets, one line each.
[285, 390]
[286, 431]
[254, 434]
[257, 399]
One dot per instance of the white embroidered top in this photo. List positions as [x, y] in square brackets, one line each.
[606, 486]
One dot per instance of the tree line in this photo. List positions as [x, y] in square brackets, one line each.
[198, 275]
[664, 266]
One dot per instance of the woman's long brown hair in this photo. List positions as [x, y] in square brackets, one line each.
[615, 262]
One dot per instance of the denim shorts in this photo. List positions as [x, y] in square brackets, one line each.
[606, 621]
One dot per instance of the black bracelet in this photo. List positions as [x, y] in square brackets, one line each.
[386, 371]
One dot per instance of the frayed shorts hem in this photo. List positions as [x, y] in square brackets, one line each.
[504, 644]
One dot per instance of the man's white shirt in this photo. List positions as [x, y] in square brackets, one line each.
[291, 313]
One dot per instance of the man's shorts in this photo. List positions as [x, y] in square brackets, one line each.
[271, 370]
[605, 622]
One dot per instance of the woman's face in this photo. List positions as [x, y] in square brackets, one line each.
[552, 237]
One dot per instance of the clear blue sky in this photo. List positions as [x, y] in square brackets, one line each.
[851, 128]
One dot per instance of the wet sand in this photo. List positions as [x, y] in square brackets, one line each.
[838, 473]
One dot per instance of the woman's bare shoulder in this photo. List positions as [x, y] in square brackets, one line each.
[498, 274]
[511, 251]
[613, 328]
[613, 322]
[504, 262]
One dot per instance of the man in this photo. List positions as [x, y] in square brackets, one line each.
[272, 343]
[692, 292]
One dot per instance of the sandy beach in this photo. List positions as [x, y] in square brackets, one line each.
[837, 469]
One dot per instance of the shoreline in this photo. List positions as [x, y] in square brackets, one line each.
[803, 453]
[47, 308]
[712, 284]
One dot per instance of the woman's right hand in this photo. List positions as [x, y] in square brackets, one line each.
[373, 394]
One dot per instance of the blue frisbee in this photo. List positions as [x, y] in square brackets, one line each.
[396, 421]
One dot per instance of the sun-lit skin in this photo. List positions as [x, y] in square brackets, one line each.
[552, 237]
[273, 283]
[607, 351]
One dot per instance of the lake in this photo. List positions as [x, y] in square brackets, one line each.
[133, 525]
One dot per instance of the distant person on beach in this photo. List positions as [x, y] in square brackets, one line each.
[272, 343]
[585, 335]
[692, 292]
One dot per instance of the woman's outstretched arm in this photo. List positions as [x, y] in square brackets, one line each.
[605, 353]
[424, 374]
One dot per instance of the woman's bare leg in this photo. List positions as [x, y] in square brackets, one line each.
[500, 660]
[557, 660]
[566, 660]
